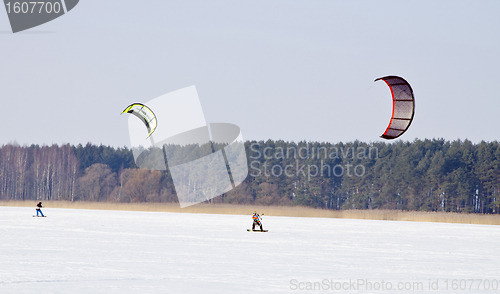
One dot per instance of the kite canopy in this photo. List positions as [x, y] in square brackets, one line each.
[403, 107]
[145, 114]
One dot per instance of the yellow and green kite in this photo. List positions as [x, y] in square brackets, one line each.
[145, 114]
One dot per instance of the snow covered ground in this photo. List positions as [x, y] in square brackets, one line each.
[90, 251]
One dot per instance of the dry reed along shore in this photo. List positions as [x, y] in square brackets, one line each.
[295, 211]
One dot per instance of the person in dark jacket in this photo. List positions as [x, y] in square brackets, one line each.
[38, 209]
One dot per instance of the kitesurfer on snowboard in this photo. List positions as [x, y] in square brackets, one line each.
[38, 210]
[256, 221]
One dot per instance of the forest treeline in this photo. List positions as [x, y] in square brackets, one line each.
[424, 175]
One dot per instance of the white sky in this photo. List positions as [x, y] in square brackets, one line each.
[291, 70]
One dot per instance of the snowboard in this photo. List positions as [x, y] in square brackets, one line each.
[250, 230]
[39, 216]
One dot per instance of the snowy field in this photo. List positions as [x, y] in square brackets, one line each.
[90, 251]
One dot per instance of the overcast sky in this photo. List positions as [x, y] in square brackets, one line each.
[279, 69]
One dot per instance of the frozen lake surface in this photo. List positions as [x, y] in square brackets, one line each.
[91, 251]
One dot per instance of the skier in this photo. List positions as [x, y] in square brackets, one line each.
[38, 210]
[256, 221]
